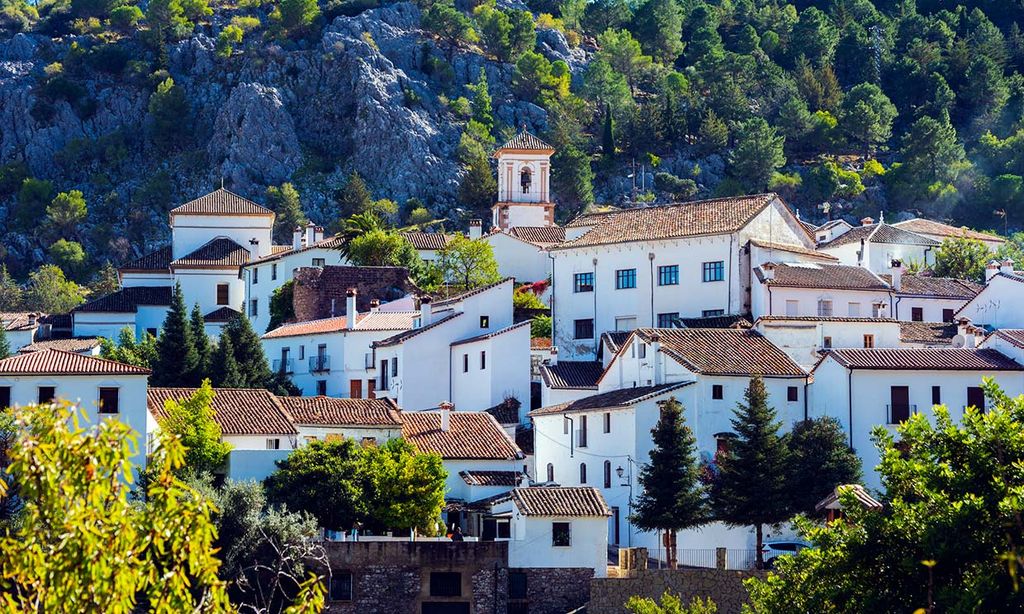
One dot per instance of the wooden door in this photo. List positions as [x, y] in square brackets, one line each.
[355, 389]
[899, 408]
[371, 389]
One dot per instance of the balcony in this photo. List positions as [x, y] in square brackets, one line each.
[283, 365]
[319, 364]
[368, 362]
[894, 414]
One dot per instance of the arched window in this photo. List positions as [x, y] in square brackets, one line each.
[551, 472]
[525, 178]
[583, 473]
[607, 474]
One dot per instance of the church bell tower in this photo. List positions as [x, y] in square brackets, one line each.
[524, 183]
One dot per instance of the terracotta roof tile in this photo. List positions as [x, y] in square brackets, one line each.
[724, 351]
[927, 332]
[375, 320]
[219, 252]
[331, 411]
[925, 359]
[238, 411]
[458, 298]
[278, 252]
[409, 334]
[1015, 336]
[159, 260]
[61, 362]
[72, 344]
[614, 339]
[490, 478]
[825, 319]
[128, 300]
[540, 343]
[539, 235]
[470, 435]
[525, 140]
[222, 314]
[832, 501]
[428, 240]
[945, 287]
[879, 233]
[815, 275]
[793, 249]
[559, 501]
[610, 400]
[221, 202]
[572, 374]
[506, 412]
[694, 219]
[931, 227]
[726, 321]
[18, 320]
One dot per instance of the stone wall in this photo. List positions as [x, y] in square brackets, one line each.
[556, 591]
[725, 588]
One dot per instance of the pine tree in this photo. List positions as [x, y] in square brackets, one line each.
[672, 498]
[287, 208]
[223, 366]
[355, 197]
[5, 345]
[820, 460]
[482, 111]
[253, 370]
[751, 488]
[202, 344]
[176, 352]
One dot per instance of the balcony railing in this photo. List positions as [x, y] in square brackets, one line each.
[894, 414]
[283, 365]
[368, 362]
[319, 364]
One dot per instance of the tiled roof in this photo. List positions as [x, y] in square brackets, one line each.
[128, 300]
[409, 334]
[238, 411]
[927, 332]
[931, 227]
[694, 219]
[539, 235]
[490, 478]
[428, 240]
[321, 292]
[726, 321]
[815, 275]
[559, 501]
[72, 344]
[489, 335]
[219, 252]
[159, 260]
[221, 202]
[825, 319]
[540, 343]
[925, 359]
[61, 362]
[724, 351]
[793, 249]
[572, 374]
[832, 501]
[506, 412]
[457, 298]
[1015, 336]
[17, 320]
[525, 140]
[614, 339]
[331, 411]
[470, 435]
[609, 400]
[280, 251]
[879, 233]
[221, 314]
[312, 327]
[374, 320]
[945, 287]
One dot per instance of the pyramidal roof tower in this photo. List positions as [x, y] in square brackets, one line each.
[524, 183]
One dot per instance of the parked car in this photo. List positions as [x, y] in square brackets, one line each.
[773, 550]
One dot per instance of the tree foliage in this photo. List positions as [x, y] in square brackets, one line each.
[819, 460]
[141, 353]
[192, 422]
[470, 264]
[177, 359]
[962, 258]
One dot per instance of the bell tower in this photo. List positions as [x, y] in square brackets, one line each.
[524, 183]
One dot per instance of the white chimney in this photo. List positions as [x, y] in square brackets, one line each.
[310, 234]
[351, 311]
[659, 376]
[445, 409]
[867, 221]
[897, 273]
[375, 305]
[31, 319]
[991, 269]
[768, 271]
[965, 329]
[297, 238]
[318, 234]
[425, 311]
[553, 356]
[1006, 267]
[476, 229]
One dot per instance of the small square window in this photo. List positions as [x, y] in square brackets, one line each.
[869, 341]
[625, 279]
[717, 393]
[47, 394]
[916, 314]
[792, 308]
[584, 329]
[445, 584]
[320, 262]
[341, 586]
[561, 535]
[827, 343]
[825, 308]
[273, 443]
[485, 321]
[666, 320]
[947, 315]
[321, 387]
[714, 271]
[109, 398]
[936, 395]
[792, 394]
[583, 282]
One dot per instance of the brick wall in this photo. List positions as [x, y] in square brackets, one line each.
[316, 288]
[725, 588]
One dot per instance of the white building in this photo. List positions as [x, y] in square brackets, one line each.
[940, 232]
[524, 183]
[865, 388]
[567, 380]
[556, 527]
[923, 298]
[796, 289]
[875, 246]
[20, 328]
[521, 251]
[998, 304]
[648, 266]
[802, 338]
[830, 230]
[103, 389]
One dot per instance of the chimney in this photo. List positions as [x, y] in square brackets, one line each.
[297, 238]
[968, 331]
[867, 221]
[351, 311]
[897, 273]
[375, 305]
[476, 229]
[318, 234]
[553, 356]
[425, 310]
[310, 234]
[991, 269]
[445, 409]
[1006, 267]
[31, 319]
[656, 359]
[768, 271]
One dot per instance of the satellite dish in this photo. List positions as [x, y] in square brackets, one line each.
[959, 341]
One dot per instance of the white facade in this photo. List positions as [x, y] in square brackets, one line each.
[877, 255]
[771, 300]
[189, 232]
[146, 318]
[519, 259]
[201, 286]
[998, 305]
[803, 338]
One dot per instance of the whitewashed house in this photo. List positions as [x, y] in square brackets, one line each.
[998, 304]
[556, 527]
[795, 289]
[140, 308]
[88, 346]
[524, 183]
[865, 388]
[940, 232]
[103, 389]
[875, 246]
[568, 380]
[319, 418]
[802, 338]
[830, 230]
[923, 298]
[649, 266]
[521, 251]
[20, 328]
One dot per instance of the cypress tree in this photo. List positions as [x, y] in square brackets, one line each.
[223, 365]
[482, 111]
[673, 497]
[202, 344]
[5, 345]
[176, 352]
[752, 488]
[253, 369]
[608, 137]
[820, 460]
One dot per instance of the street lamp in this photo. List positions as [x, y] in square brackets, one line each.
[619, 471]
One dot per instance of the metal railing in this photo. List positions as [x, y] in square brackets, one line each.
[283, 365]
[318, 364]
[894, 414]
[704, 558]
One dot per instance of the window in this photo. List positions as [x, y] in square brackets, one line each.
[625, 323]
[716, 392]
[665, 320]
[710, 313]
[222, 294]
[341, 586]
[319, 262]
[668, 275]
[916, 314]
[109, 400]
[936, 395]
[976, 397]
[947, 315]
[583, 431]
[273, 271]
[792, 394]
[517, 585]
[504, 529]
[583, 473]
[714, 271]
[583, 282]
[607, 422]
[641, 349]
[445, 584]
[876, 310]
[722, 442]
[853, 310]
[625, 278]
[560, 535]
[255, 275]
[825, 308]
[607, 474]
[47, 394]
[273, 443]
[869, 341]
[394, 366]
[151, 332]
[792, 308]
[551, 472]
[253, 307]
[5, 397]
[584, 329]
[524, 180]
[321, 387]
[485, 321]
[827, 343]
[302, 352]
[483, 360]
[465, 363]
